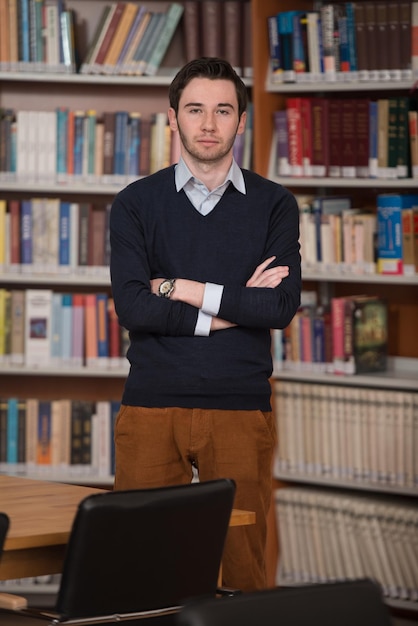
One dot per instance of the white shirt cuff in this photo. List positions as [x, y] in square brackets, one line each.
[212, 299]
[203, 324]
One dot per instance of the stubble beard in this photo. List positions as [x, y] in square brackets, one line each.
[203, 156]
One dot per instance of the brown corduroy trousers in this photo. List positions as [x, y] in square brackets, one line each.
[156, 447]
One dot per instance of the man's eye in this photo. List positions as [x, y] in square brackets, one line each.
[223, 111]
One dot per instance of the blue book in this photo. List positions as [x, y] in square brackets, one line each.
[389, 233]
[344, 46]
[351, 36]
[276, 68]
[66, 328]
[12, 430]
[121, 134]
[24, 32]
[135, 24]
[285, 27]
[64, 234]
[78, 142]
[26, 247]
[102, 325]
[298, 42]
[133, 144]
[62, 140]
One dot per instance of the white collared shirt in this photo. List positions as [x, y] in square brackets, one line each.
[204, 202]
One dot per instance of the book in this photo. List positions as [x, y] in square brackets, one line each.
[102, 329]
[363, 126]
[370, 334]
[109, 120]
[90, 330]
[110, 27]
[211, 28]
[405, 38]
[320, 137]
[97, 38]
[295, 137]
[38, 327]
[348, 138]
[44, 448]
[389, 229]
[233, 42]
[77, 330]
[275, 60]
[66, 329]
[191, 29]
[282, 143]
[121, 32]
[127, 64]
[328, 48]
[172, 19]
[17, 343]
[129, 40]
[413, 141]
[383, 31]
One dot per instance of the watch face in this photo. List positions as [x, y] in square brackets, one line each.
[165, 287]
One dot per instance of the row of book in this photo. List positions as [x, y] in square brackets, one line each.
[350, 336]
[127, 38]
[130, 39]
[60, 437]
[115, 147]
[343, 433]
[43, 328]
[347, 138]
[326, 536]
[52, 236]
[37, 35]
[344, 41]
[337, 237]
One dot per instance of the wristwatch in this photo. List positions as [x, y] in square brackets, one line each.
[166, 288]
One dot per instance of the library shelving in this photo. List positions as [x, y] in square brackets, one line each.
[401, 293]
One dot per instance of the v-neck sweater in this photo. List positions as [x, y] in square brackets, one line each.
[156, 232]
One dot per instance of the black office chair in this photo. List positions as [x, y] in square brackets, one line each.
[348, 603]
[4, 527]
[140, 553]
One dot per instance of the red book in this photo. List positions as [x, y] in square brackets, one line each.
[111, 29]
[335, 138]
[90, 329]
[306, 115]
[211, 28]
[362, 116]
[348, 138]
[295, 140]
[191, 26]
[337, 325]
[320, 137]
[14, 210]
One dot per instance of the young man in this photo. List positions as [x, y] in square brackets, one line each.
[205, 261]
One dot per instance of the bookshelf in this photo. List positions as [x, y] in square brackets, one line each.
[149, 93]
[50, 89]
[400, 291]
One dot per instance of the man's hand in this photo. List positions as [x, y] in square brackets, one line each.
[271, 277]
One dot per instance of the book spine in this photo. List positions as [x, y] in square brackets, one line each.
[389, 221]
[191, 25]
[172, 20]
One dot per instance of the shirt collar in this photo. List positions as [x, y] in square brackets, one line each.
[235, 176]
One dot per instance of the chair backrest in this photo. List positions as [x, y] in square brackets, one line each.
[348, 603]
[145, 549]
[4, 527]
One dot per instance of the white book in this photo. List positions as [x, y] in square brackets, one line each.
[410, 452]
[38, 312]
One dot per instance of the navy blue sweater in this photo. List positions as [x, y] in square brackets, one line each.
[156, 232]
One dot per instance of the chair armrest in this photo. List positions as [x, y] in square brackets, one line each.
[227, 592]
[12, 602]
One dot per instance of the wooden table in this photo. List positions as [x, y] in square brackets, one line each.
[41, 515]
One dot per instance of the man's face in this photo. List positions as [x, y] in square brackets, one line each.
[207, 119]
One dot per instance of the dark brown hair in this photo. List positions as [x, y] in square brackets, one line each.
[207, 67]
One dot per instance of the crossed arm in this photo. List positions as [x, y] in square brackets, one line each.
[192, 292]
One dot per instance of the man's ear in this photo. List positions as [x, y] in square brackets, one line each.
[172, 119]
[241, 123]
